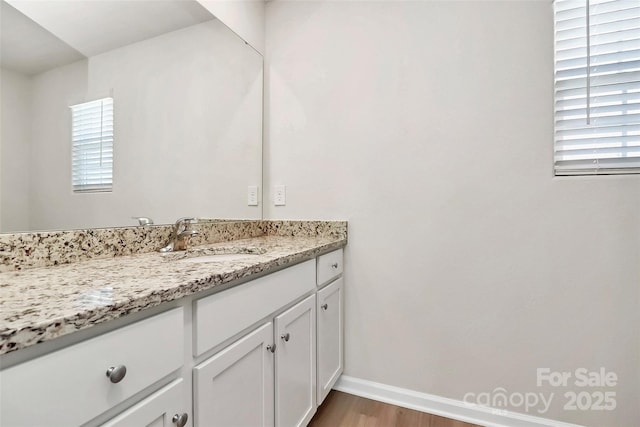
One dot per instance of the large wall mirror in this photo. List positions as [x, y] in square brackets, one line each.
[116, 109]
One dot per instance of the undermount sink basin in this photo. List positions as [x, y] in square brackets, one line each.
[215, 258]
[215, 254]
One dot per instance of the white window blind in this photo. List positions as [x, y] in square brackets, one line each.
[92, 146]
[597, 87]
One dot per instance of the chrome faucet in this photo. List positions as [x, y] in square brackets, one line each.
[181, 234]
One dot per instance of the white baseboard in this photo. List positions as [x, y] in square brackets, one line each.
[444, 407]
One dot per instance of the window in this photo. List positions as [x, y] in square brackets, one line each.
[597, 87]
[92, 146]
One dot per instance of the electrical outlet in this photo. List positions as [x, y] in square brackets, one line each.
[280, 195]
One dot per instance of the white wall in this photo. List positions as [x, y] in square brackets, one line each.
[244, 17]
[15, 125]
[187, 138]
[428, 125]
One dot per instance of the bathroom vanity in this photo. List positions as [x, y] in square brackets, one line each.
[250, 335]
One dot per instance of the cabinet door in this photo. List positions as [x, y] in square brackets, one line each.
[234, 388]
[296, 364]
[330, 337]
[157, 410]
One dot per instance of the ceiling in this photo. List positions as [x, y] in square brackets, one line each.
[27, 48]
[37, 35]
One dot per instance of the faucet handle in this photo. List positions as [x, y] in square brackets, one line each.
[181, 233]
[183, 223]
[186, 220]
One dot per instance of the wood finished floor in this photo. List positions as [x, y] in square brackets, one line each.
[346, 410]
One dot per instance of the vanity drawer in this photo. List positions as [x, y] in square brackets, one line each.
[329, 266]
[70, 386]
[156, 410]
[225, 314]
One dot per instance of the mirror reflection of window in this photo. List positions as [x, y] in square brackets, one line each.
[92, 146]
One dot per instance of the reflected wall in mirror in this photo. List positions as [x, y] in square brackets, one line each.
[187, 113]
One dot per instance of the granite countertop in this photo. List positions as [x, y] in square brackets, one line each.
[40, 304]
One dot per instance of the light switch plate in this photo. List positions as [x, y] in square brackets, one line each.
[279, 195]
[252, 195]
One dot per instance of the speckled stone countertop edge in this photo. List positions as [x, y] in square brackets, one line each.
[16, 338]
[27, 250]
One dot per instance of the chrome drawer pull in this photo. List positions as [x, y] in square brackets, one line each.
[180, 420]
[271, 348]
[285, 337]
[324, 306]
[116, 373]
[334, 265]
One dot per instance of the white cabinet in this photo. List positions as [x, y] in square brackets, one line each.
[330, 336]
[296, 364]
[242, 386]
[70, 386]
[143, 373]
[161, 409]
[242, 306]
[235, 387]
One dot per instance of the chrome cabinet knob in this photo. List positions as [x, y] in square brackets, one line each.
[271, 348]
[334, 265]
[180, 419]
[116, 373]
[324, 306]
[285, 337]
